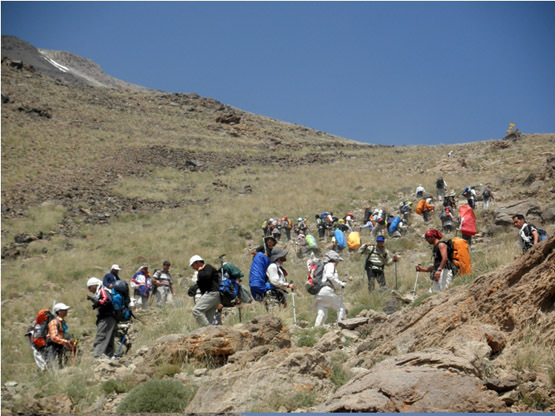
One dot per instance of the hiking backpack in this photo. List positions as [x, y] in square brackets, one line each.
[457, 250]
[420, 206]
[40, 328]
[340, 239]
[440, 183]
[311, 241]
[313, 282]
[542, 233]
[229, 288]
[468, 220]
[394, 224]
[120, 301]
[486, 194]
[257, 276]
[353, 241]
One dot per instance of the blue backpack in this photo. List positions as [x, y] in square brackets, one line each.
[257, 276]
[394, 224]
[120, 301]
[340, 238]
[229, 288]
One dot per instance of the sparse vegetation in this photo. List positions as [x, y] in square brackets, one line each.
[157, 396]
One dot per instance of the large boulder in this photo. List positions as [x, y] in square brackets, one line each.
[279, 379]
[419, 382]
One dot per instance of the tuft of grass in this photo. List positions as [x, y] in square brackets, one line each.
[157, 396]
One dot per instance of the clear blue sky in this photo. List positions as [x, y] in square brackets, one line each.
[378, 72]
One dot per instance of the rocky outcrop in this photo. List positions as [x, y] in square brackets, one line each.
[529, 208]
[436, 381]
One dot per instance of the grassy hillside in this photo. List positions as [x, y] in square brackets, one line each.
[121, 177]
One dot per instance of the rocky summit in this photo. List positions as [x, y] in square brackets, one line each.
[97, 171]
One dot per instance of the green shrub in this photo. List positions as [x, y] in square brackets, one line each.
[157, 396]
[113, 386]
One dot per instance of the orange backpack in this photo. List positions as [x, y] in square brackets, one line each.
[420, 206]
[459, 255]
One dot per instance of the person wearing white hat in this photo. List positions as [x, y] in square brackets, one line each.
[326, 297]
[208, 281]
[105, 321]
[111, 277]
[58, 340]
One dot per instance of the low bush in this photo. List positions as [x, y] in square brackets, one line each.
[157, 396]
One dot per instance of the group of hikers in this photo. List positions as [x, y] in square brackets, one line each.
[216, 287]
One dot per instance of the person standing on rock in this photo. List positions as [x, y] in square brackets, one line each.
[105, 320]
[378, 257]
[208, 280]
[162, 279]
[528, 235]
[442, 269]
[111, 277]
[326, 297]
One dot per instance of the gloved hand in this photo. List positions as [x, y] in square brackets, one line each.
[95, 305]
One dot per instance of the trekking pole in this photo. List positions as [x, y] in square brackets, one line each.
[121, 345]
[294, 310]
[396, 286]
[415, 284]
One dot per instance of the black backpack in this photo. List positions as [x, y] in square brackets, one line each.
[487, 193]
[440, 183]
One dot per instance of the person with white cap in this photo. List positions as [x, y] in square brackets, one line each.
[58, 340]
[326, 297]
[105, 321]
[111, 277]
[208, 280]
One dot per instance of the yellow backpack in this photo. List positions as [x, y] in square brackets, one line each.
[353, 241]
[459, 255]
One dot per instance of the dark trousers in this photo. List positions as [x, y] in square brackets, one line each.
[373, 275]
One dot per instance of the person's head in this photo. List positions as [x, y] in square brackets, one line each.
[144, 268]
[518, 220]
[166, 265]
[60, 309]
[270, 242]
[380, 241]
[432, 236]
[115, 269]
[332, 256]
[93, 284]
[196, 262]
[278, 255]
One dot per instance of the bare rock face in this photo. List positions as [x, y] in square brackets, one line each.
[435, 381]
[529, 208]
[481, 318]
[281, 376]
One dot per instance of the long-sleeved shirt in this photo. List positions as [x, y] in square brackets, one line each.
[330, 276]
[163, 277]
[56, 331]
[208, 279]
[276, 276]
[379, 258]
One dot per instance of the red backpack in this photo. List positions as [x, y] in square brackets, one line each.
[40, 329]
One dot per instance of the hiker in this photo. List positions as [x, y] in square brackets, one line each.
[420, 191]
[276, 233]
[58, 340]
[425, 209]
[470, 195]
[442, 269]
[111, 277]
[301, 227]
[486, 197]
[342, 226]
[162, 279]
[528, 235]
[405, 209]
[141, 285]
[267, 247]
[276, 275]
[441, 187]
[105, 320]
[379, 218]
[378, 257]
[287, 225]
[321, 225]
[349, 221]
[449, 201]
[208, 280]
[326, 297]
[367, 214]
[446, 217]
